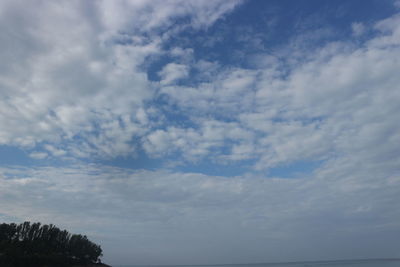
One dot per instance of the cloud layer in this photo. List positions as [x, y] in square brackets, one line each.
[85, 92]
[72, 80]
[165, 217]
[105, 80]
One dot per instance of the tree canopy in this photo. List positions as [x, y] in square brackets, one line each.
[34, 244]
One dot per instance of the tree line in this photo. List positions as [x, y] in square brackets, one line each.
[34, 244]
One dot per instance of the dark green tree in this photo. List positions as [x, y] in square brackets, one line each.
[34, 244]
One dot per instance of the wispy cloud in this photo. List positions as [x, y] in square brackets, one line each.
[120, 205]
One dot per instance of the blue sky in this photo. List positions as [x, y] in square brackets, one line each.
[195, 132]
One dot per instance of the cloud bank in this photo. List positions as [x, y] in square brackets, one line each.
[153, 216]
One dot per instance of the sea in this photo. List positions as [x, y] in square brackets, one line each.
[337, 263]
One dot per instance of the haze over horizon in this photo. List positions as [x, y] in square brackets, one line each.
[204, 132]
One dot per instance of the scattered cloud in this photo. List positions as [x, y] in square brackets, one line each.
[38, 155]
[358, 29]
[86, 87]
[173, 72]
[92, 98]
[134, 80]
[342, 96]
[397, 3]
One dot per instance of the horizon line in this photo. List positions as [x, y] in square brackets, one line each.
[269, 263]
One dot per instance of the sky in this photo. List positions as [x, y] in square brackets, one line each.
[204, 132]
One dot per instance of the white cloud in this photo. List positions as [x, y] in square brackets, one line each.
[397, 3]
[61, 94]
[87, 97]
[38, 155]
[229, 90]
[149, 210]
[193, 144]
[84, 93]
[146, 16]
[55, 151]
[173, 72]
[358, 28]
[343, 100]
[70, 90]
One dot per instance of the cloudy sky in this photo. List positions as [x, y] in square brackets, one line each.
[176, 131]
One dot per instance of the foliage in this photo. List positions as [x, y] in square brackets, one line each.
[34, 244]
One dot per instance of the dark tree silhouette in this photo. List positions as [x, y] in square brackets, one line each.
[34, 244]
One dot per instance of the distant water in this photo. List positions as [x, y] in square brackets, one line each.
[345, 263]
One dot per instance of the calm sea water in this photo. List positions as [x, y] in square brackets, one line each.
[347, 263]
